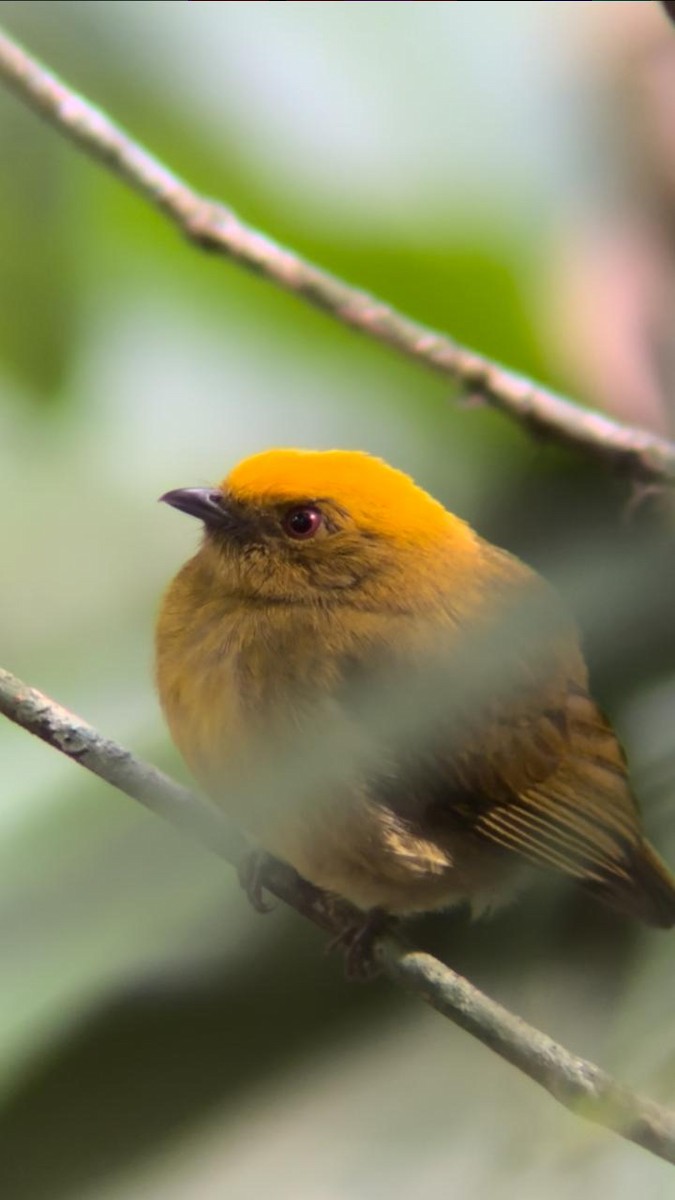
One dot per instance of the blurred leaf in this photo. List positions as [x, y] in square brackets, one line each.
[38, 295]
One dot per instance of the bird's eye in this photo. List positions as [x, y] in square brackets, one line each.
[303, 523]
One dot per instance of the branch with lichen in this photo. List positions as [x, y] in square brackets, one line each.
[645, 457]
[576, 1083]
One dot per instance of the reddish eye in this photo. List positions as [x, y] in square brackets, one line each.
[303, 523]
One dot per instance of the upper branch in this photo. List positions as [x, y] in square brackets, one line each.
[578, 1084]
[645, 456]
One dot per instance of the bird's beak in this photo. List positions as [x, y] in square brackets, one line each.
[208, 504]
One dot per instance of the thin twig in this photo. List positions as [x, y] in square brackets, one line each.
[215, 227]
[576, 1083]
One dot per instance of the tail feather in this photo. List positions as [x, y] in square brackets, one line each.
[646, 890]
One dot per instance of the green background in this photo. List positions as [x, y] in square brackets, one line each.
[158, 1038]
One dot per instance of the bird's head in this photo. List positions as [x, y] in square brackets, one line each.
[299, 525]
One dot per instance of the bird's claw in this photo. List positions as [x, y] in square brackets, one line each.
[356, 941]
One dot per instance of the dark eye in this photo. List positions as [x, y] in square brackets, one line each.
[302, 523]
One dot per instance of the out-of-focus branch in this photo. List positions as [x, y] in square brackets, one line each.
[669, 6]
[644, 456]
[576, 1083]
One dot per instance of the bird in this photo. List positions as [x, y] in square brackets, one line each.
[387, 702]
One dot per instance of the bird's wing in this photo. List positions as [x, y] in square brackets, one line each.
[579, 818]
[535, 768]
[555, 791]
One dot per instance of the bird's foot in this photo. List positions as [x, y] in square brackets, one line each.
[251, 872]
[356, 941]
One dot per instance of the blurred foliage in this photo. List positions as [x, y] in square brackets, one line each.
[38, 291]
[157, 1038]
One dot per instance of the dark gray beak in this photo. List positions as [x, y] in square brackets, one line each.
[207, 504]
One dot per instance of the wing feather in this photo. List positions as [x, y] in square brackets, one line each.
[541, 774]
[584, 807]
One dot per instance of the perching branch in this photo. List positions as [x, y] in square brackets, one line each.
[644, 456]
[576, 1083]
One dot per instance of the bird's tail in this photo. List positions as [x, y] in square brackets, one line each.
[645, 891]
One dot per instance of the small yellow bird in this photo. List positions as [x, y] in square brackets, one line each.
[387, 702]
